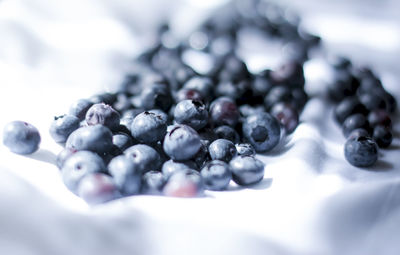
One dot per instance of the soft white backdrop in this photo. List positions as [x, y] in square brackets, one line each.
[311, 200]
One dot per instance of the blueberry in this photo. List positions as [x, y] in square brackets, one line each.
[21, 137]
[153, 182]
[156, 96]
[96, 138]
[379, 117]
[216, 175]
[354, 121]
[160, 113]
[382, 136]
[344, 85]
[222, 149]
[184, 183]
[97, 188]
[79, 165]
[300, 98]
[182, 143]
[203, 85]
[184, 94]
[102, 114]
[277, 94]
[262, 131]
[223, 111]
[228, 133]
[245, 149]
[287, 116]
[261, 84]
[372, 101]
[347, 107]
[361, 152]
[62, 127]
[127, 174]
[233, 68]
[290, 73]
[192, 113]
[123, 103]
[122, 141]
[79, 108]
[172, 166]
[149, 127]
[391, 102]
[63, 156]
[246, 170]
[144, 156]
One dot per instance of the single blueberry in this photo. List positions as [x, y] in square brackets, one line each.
[222, 149]
[144, 156]
[245, 149]
[172, 166]
[247, 110]
[182, 143]
[156, 96]
[379, 117]
[96, 138]
[347, 107]
[79, 165]
[262, 131]
[126, 173]
[361, 152]
[97, 188]
[184, 183]
[382, 136]
[79, 108]
[246, 170]
[192, 113]
[148, 127]
[184, 94]
[21, 137]
[223, 111]
[287, 116]
[103, 114]
[216, 175]
[354, 121]
[62, 127]
[277, 94]
[153, 182]
[228, 133]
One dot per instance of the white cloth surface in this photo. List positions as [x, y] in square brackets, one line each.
[311, 200]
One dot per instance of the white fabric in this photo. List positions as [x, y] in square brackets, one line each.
[311, 200]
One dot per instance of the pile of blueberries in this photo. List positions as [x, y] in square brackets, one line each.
[363, 110]
[171, 130]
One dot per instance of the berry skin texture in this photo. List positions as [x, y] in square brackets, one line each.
[96, 138]
[216, 175]
[184, 183]
[21, 137]
[222, 149]
[97, 188]
[63, 156]
[149, 127]
[79, 165]
[246, 170]
[353, 122]
[103, 114]
[228, 133]
[182, 143]
[223, 111]
[62, 127]
[79, 108]
[122, 141]
[127, 174]
[145, 157]
[262, 131]
[192, 113]
[287, 116]
[361, 151]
